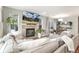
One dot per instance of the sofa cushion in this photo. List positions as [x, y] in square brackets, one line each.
[33, 43]
[46, 48]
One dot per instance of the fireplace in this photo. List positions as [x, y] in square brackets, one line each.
[30, 32]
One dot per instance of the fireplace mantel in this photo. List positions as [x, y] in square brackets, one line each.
[24, 26]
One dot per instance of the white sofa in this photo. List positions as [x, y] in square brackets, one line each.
[54, 47]
[64, 49]
[46, 48]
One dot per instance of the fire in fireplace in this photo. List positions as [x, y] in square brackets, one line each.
[30, 32]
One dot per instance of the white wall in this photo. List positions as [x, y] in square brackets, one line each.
[0, 13]
[53, 23]
[74, 20]
[1, 24]
[8, 12]
[45, 23]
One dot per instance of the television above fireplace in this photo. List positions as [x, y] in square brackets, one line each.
[30, 16]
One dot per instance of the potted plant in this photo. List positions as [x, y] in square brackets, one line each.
[11, 21]
[38, 31]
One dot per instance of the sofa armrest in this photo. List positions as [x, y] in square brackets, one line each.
[62, 49]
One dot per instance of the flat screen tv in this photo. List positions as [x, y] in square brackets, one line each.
[30, 16]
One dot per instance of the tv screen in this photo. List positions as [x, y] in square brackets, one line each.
[30, 16]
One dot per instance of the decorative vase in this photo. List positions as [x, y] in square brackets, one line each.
[12, 30]
[39, 35]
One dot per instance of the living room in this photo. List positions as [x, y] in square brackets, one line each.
[39, 25]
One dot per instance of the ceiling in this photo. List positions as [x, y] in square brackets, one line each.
[52, 11]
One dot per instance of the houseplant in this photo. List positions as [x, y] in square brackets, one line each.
[38, 31]
[11, 21]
